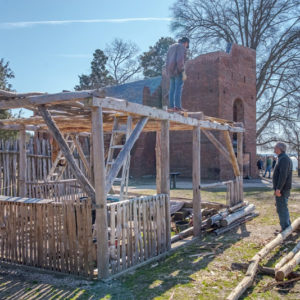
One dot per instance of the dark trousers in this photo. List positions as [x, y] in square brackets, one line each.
[282, 209]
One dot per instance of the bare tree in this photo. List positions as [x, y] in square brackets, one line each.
[122, 60]
[287, 132]
[271, 27]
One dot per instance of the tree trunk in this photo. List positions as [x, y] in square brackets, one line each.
[237, 215]
[253, 267]
[288, 263]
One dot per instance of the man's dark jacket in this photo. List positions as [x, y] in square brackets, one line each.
[282, 177]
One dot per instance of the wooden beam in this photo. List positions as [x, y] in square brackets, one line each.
[101, 204]
[240, 160]
[158, 162]
[116, 166]
[142, 110]
[240, 151]
[159, 114]
[231, 153]
[50, 99]
[217, 144]
[22, 163]
[88, 188]
[165, 175]
[18, 127]
[196, 182]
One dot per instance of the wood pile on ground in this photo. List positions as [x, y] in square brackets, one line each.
[216, 217]
[283, 269]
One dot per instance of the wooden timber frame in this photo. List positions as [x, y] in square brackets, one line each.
[93, 113]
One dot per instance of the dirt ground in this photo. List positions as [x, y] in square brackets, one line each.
[201, 270]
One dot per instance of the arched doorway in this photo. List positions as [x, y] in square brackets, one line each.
[238, 111]
[238, 116]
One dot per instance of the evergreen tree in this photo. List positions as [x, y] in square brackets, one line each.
[5, 74]
[99, 76]
[154, 59]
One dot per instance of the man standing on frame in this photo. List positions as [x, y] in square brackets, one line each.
[282, 184]
[176, 57]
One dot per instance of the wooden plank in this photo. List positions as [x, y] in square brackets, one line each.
[197, 219]
[165, 173]
[88, 188]
[231, 153]
[119, 161]
[22, 163]
[101, 206]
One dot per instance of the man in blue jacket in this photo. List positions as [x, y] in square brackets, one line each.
[176, 57]
[282, 184]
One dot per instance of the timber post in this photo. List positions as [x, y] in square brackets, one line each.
[196, 181]
[158, 162]
[22, 163]
[240, 162]
[101, 205]
[165, 175]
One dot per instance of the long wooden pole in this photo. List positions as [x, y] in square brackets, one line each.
[67, 153]
[240, 152]
[22, 163]
[288, 263]
[196, 182]
[101, 205]
[158, 162]
[115, 168]
[165, 175]
[253, 266]
[231, 153]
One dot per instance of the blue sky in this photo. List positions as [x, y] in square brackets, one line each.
[49, 43]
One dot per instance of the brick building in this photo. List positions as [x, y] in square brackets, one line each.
[220, 85]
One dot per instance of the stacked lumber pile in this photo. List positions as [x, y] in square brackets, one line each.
[216, 217]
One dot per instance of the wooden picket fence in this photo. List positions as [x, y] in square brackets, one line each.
[47, 234]
[60, 191]
[38, 166]
[137, 231]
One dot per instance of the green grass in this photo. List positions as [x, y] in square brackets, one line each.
[193, 272]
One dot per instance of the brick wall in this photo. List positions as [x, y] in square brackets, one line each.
[215, 81]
